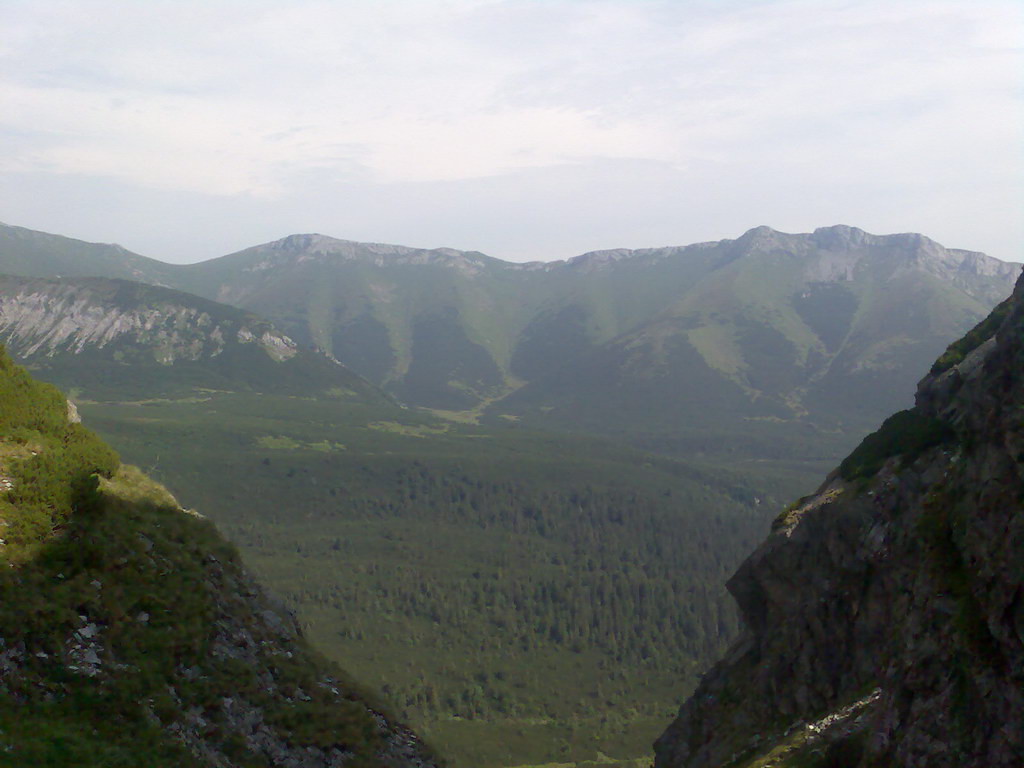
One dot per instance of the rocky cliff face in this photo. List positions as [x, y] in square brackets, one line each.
[48, 317]
[885, 613]
[115, 338]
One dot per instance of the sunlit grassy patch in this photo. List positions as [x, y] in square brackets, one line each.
[409, 430]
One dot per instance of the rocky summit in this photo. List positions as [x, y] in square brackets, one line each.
[885, 613]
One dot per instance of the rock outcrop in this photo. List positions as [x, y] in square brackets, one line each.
[47, 317]
[885, 614]
[117, 338]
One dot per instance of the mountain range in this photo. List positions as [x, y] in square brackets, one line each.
[787, 340]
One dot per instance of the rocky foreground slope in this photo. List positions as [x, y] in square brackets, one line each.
[885, 613]
[130, 635]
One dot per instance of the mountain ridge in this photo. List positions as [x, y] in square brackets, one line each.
[326, 244]
[43, 254]
[802, 328]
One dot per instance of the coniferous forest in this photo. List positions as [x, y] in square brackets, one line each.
[511, 593]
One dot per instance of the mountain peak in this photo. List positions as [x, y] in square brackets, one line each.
[761, 230]
[840, 236]
[836, 236]
[323, 245]
[764, 237]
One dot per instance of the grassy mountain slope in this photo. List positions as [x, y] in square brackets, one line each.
[782, 318]
[130, 635]
[786, 336]
[114, 337]
[39, 254]
[429, 325]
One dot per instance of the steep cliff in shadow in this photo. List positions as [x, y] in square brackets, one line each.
[885, 614]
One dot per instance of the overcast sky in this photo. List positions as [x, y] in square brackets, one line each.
[526, 129]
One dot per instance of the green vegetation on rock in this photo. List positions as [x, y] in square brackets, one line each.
[959, 349]
[906, 433]
[130, 635]
[48, 465]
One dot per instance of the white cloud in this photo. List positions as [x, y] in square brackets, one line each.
[247, 99]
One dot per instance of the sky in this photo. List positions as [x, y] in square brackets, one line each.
[525, 129]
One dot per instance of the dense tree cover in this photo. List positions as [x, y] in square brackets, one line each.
[612, 571]
[501, 588]
[514, 602]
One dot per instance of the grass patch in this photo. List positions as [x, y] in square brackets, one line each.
[285, 443]
[974, 338]
[408, 430]
[905, 433]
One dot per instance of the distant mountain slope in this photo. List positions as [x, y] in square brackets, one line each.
[427, 325]
[787, 339]
[884, 613]
[774, 326]
[777, 335]
[131, 635]
[39, 254]
[106, 336]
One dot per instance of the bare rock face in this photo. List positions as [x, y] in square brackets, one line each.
[48, 317]
[885, 614]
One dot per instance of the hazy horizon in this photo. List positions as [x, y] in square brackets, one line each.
[527, 131]
[477, 250]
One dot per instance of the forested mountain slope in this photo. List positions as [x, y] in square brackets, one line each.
[129, 633]
[885, 614]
